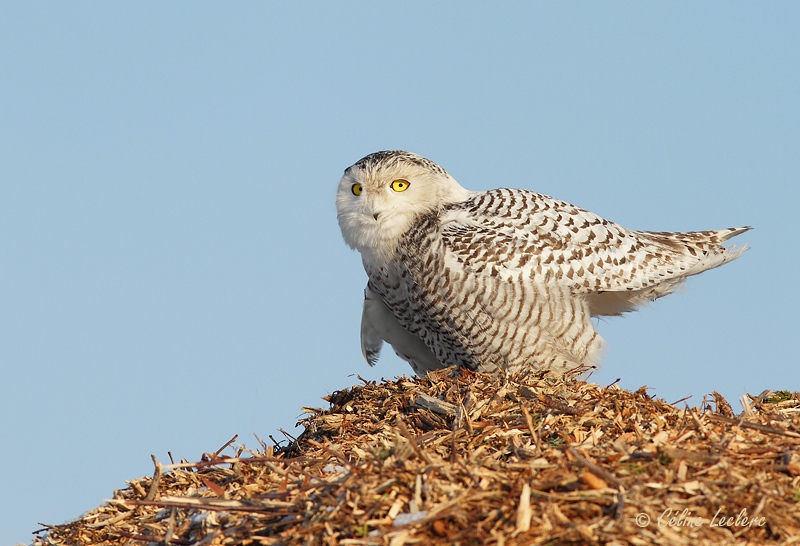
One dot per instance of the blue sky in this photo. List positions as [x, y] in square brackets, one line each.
[171, 270]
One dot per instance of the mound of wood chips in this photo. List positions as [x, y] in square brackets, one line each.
[465, 458]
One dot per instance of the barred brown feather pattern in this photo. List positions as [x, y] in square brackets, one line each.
[498, 279]
[519, 232]
[477, 320]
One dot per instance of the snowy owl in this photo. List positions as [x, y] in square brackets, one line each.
[502, 279]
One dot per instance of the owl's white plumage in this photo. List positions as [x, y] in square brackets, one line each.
[500, 279]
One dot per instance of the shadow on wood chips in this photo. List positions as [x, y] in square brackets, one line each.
[466, 458]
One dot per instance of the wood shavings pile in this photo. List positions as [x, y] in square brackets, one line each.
[465, 458]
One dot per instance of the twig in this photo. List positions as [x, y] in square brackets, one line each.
[229, 442]
[435, 405]
[338, 454]
[676, 402]
[151, 493]
[594, 469]
[151, 538]
[755, 426]
[559, 406]
[529, 422]
[261, 505]
[700, 426]
[111, 521]
[401, 426]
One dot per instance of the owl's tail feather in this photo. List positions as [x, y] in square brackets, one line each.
[726, 234]
[699, 250]
[705, 245]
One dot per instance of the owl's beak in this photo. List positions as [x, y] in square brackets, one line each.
[376, 215]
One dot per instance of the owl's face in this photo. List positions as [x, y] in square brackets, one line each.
[381, 195]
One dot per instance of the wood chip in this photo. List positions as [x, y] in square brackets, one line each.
[435, 405]
[459, 457]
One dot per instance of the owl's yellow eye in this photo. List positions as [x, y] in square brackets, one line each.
[356, 189]
[400, 185]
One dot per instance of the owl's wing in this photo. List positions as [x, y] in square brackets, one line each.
[522, 236]
[378, 324]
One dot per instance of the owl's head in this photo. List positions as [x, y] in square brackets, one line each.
[381, 196]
